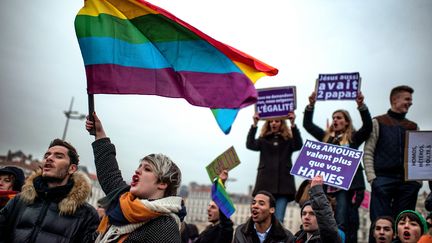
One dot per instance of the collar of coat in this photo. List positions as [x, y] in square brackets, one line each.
[76, 197]
[301, 236]
[276, 232]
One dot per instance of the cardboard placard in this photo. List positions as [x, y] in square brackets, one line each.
[226, 161]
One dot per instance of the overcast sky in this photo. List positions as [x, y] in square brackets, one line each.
[41, 69]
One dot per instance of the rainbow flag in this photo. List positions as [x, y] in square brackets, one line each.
[221, 198]
[134, 47]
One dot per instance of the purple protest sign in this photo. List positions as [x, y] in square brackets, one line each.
[276, 102]
[336, 164]
[339, 86]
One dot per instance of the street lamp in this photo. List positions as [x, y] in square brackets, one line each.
[71, 115]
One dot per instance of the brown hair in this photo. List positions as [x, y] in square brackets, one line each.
[399, 89]
[285, 131]
[72, 153]
[347, 134]
[302, 194]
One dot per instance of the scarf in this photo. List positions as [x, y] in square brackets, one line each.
[55, 194]
[5, 196]
[130, 213]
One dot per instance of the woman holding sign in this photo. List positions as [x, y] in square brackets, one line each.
[276, 144]
[341, 132]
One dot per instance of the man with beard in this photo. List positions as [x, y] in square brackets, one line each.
[262, 226]
[52, 205]
[221, 228]
[318, 222]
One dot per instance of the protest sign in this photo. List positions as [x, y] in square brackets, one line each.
[418, 146]
[226, 161]
[336, 164]
[276, 102]
[339, 86]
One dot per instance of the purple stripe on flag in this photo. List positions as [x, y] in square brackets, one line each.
[212, 90]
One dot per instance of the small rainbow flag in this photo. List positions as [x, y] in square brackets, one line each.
[134, 47]
[221, 198]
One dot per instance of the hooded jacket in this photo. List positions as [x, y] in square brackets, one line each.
[42, 214]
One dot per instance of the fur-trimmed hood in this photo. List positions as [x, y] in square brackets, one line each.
[75, 198]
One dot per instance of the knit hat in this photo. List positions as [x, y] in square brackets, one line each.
[308, 202]
[413, 215]
[17, 173]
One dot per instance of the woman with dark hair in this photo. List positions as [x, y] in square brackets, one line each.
[409, 226]
[341, 132]
[11, 180]
[276, 144]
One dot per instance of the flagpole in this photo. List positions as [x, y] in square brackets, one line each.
[91, 110]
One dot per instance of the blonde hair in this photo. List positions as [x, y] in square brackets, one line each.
[284, 130]
[166, 171]
[347, 133]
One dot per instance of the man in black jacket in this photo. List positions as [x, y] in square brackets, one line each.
[262, 226]
[221, 228]
[52, 206]
[318, 222]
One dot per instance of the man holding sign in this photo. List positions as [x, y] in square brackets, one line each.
[341, 132]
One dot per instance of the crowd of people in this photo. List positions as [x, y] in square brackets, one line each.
[50, 204]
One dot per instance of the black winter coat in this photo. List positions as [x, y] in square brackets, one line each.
[327, 228]
[275, 161]
[51, 215]
[246, 233]
[218, 233]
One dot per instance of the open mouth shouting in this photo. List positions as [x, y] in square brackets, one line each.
[335, 126]
[381, 239]
[47, 166]
[406, 235]
[255, 214]
[135, 179]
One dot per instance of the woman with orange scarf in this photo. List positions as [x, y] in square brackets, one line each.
[148, 209]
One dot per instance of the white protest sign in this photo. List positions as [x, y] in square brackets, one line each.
[418, 147]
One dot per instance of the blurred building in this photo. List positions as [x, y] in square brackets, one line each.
[19, 159]
[199, 196]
